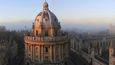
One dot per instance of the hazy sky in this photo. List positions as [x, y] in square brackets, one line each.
[68, 11]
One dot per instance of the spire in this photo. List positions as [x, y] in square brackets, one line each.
[45, 6]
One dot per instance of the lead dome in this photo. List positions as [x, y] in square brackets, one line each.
[46, 20]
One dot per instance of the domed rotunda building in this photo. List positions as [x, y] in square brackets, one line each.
[47, 44]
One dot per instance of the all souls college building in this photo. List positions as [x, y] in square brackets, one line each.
[47, 44]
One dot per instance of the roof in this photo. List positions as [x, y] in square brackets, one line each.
[46, 18]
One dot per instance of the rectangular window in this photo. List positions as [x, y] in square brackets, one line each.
[46, 49]
[57, 49]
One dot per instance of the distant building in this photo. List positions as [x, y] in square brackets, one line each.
[96, 49]
[111, 29]
[47, 44]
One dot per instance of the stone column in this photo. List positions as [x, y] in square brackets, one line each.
[100, 50]
[60, 52]
[42, 53]
[51, 53]
[38, 53]
[32, 52]
[54, 53]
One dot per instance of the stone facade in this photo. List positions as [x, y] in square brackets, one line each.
[47, 44]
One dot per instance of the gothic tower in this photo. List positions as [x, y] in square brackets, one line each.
[47, 44]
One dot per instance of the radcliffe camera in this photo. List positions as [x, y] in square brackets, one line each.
[57, 32]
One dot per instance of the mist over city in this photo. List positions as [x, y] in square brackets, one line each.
[84, 27]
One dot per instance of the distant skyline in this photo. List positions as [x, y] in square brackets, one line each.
[84, 12]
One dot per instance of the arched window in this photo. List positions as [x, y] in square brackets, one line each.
[36, 49]
[29, 47]
[37, 20]
[36, 32]
[46, 33]
[46, 49]
[57, 49]
[56, 31]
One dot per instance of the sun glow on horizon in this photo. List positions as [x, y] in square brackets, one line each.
[71, 12]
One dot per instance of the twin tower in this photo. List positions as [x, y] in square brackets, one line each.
[47, 44]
